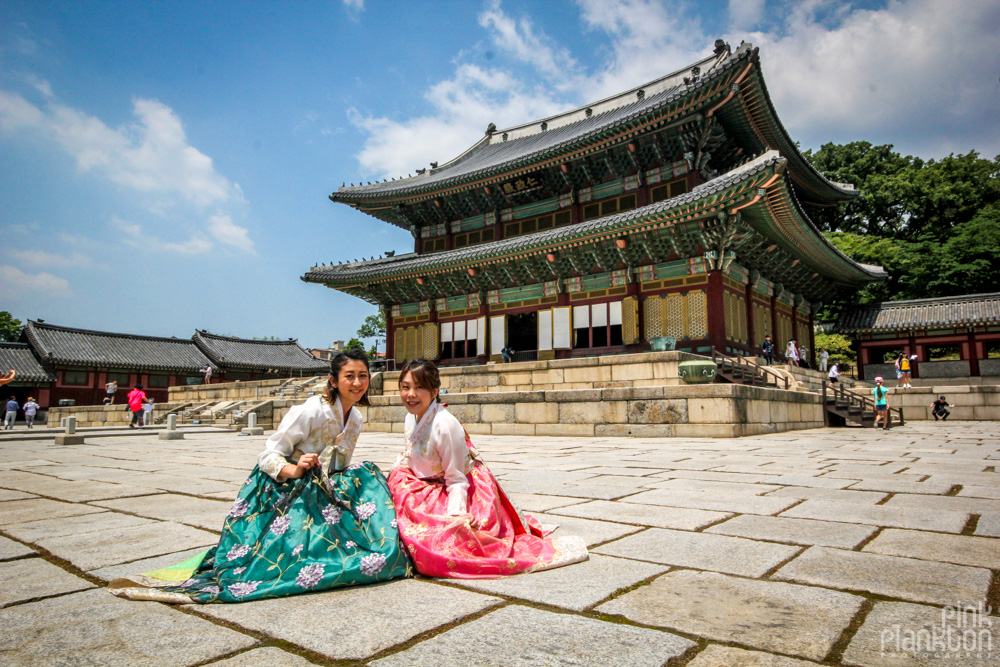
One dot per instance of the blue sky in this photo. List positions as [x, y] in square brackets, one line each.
[166, 166]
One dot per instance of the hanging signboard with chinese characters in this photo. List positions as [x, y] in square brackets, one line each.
[525, 183]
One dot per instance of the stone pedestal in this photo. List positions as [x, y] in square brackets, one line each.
[251, 427]
[171, 435]
[69, 439]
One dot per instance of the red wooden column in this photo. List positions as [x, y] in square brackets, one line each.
[716, 312]
[977, 352]
[389, 340]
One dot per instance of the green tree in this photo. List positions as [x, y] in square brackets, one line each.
[837, 345]
[10, 328]
[374, 326]
[355, 344]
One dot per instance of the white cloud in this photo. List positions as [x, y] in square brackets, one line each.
[354, 5]
[521, 40]
[42, 259]
[463, 106]
[745, 14]
[921, 74]
[222, 227]
[918, 71]
[151, 156]
[17, 281]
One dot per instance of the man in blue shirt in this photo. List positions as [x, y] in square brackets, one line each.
[8, 420]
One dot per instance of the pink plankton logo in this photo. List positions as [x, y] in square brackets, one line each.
[964, 633]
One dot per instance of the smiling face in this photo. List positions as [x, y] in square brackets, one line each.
[352, 383]
[416, 399]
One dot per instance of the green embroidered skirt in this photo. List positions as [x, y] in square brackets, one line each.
[307, 534]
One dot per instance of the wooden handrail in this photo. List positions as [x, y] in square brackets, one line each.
[749, 362]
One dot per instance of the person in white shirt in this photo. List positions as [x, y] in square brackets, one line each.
[834, 374]
[824, 357]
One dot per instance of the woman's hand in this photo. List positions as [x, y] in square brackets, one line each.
[467, 519]
[297, 470]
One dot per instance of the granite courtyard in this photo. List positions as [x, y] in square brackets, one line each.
[833, 546]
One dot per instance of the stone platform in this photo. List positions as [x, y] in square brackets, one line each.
[820, 546]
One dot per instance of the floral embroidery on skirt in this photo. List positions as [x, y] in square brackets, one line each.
[285, 538]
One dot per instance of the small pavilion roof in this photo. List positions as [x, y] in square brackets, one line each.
[20, 358]
[495, 157]
[260, 355]
[950, 311]
[82, 347]
[794, 233]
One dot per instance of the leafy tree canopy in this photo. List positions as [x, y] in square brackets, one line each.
[355, 344]
[10, 328]
[374, 326]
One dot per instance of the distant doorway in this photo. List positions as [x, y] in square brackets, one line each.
[522, 335]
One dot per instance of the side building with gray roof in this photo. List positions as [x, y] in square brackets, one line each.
[56, 363]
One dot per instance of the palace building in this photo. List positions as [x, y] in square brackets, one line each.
[673, 214]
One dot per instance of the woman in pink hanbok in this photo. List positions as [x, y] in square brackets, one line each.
[453, 517]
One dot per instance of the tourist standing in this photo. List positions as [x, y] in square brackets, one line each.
[899, 370]
[207, 370]
[824, 357]
[324, 521]
[939, 409]
[136, 399]
[109, 392]
[767, 349]
[881, 404]
[792, 353]
[11, 416]
[30, 410]
[834, 374]
[905, 367]
[147, 413]
[453, 516]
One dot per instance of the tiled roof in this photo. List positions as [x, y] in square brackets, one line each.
[374, 269]
[103, 349]
[942, 312]
[18, 356]
[240, 353]
[531, 142]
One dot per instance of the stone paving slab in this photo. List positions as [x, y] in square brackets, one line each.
[31, 578]
[903, 486]
[534, 502]
[784, 618]
[9, 549]
[33, 509]
[89, 551]
[702, 551]
[891, 576]
[811, 481]
[578, 587]
[847, 496]
[646, 515]
[96, 628]
[710, 486]
[198, 512]
[33, 531]
[517, 636]
[592, 532]
[945, 503]
[988, 525]
[981, 491]
[797, 531]
[69, 491]
[880, 515]
[889, 638]
[6, 494]
[741, 504]
[263, 657]
[712, 476]
[356, 622]
[958, 549]
[728, 656]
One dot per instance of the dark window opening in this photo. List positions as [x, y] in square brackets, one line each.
[668, 190]
[599, 209]
[79, 378]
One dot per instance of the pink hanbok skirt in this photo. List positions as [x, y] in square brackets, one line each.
[506, 542]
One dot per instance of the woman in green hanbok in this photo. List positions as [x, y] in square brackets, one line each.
[305, 520]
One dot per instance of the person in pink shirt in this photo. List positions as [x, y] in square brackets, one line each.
[136, 399]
